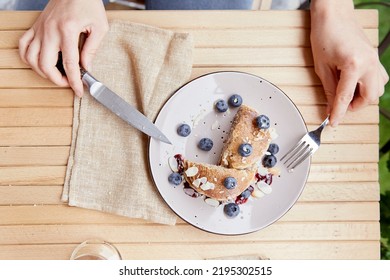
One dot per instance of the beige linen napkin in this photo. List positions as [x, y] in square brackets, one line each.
[108, 167]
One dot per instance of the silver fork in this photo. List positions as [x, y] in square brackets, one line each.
[307, 146]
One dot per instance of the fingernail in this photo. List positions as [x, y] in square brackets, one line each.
[334, 123]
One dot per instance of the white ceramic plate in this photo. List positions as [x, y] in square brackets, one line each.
[194, 104]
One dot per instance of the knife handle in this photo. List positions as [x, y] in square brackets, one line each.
[87, 78]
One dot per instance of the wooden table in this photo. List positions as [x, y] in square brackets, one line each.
[337, 216]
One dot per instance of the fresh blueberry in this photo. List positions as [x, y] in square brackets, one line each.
[273, 148]
[231, 209]
[262, 122]
[246, 193]
[235, 100]
[184, 130]
[221, 106]
[175, 179]
[205, 144]
[230, 183]
[269, 161]
[245, 149]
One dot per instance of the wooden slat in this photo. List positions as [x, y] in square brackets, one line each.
[22, 98]
[47, 175]
[51, 117]
[252, 57]
[340, 191]
[326, 250]
[23, 78]
[43, 97]
[202, 57]
[353, 172]
[61, 136]
[19, 117]
[32, 156]
[26, 78]
[343, 153]
[315, 115]
[290, 76]
[364, 134]
[198, 19]
[24, 195]
[325, 191]
[301, 211]
[211, 37]
[32, 175]
[27, 156]
[35, 136]
[54, 234]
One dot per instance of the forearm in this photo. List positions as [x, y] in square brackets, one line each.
[324, 9]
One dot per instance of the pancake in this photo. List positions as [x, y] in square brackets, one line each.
[208, 179]
[245, 130]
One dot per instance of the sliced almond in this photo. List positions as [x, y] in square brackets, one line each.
[257, 194]
[172, 162]
[212, 202]
[192, 171]
[207, 186]
[264, 187]
[196, 183]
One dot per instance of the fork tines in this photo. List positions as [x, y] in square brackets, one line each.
[299, 153]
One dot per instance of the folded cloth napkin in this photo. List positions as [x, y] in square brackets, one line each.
[108, 167]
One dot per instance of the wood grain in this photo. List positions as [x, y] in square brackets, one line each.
[17, 20]
[211, 37]
[313, 192]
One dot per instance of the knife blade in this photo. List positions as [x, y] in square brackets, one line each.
[120, 107]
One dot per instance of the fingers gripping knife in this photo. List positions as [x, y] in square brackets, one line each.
[116, 104]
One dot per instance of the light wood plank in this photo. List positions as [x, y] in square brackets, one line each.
[198, 19]
[32, 156]
[343, 153]
[280, 76]
[364, 134]
[48, 175]
[336, 153]
[352, 172]
[323, 191]
[35, 136]
[340, 191]
[316, 115]
[61, 136]
[23, 78]
[326, 250]
[43, 97]
[19, 117]
[252, 57]
[28, 97]
[32, 175]
[203, 57]
[30, 195]
[184, 233]
[53, 117]
[301, 211]
[211, 37]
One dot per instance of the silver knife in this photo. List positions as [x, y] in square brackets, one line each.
[121, 108]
